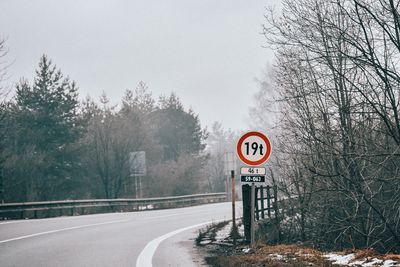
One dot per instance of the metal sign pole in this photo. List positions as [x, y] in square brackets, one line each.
[233, 208]
[252, 226]
[227, 188]
[136, 187]
[140, 187]
[253, 149]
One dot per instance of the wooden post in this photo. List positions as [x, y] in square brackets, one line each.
[233, 208]
[262, 202]
[269, 200]
[252, 226]
[256, 205]
[276, 211]
[276, 201]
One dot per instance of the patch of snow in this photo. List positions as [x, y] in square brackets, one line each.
[146, 207]
[301, 254]
[357, 263]
[340, 259]
[241, 230]
[205, 242]
[246, 250]
[277, 257]
[224, 232]
[389, 263]
[347, 260]
[291, 219]
[373, 262]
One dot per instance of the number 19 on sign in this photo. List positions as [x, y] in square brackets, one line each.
[253, 148]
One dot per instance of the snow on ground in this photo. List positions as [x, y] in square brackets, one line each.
[224, 232]
[277, 256]
[241, 230]
[340, 259]
[389, 263]
[336, 259]
[348, 260]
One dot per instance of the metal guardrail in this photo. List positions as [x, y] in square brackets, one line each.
[89, 206]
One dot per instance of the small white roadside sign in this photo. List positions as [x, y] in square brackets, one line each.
[137, 163]
[229, 162]
[252, 171]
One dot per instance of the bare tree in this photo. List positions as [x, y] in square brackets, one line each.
[111, 136]
[219, 142]
[338, 83]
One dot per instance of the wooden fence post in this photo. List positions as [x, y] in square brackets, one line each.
[262, 202]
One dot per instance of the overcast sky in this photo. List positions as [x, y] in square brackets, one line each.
[209, 52]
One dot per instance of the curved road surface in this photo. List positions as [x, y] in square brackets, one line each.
[142, 239]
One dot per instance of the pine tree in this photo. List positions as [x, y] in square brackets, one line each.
[179, 131]
[47, 125]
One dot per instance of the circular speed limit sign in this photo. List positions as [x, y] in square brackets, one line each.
[253, 148]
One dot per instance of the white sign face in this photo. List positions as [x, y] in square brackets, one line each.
[253, 148]
[252, 171]
[137, 163]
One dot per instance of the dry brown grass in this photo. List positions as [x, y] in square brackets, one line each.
[291, 256]
[256, 261]
[394, 257]
[364, 254]
[289, 249]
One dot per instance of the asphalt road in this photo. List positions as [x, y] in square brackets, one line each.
[146, 238]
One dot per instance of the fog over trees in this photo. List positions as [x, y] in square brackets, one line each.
[55, 146]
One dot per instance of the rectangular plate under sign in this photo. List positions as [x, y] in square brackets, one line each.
[252, 171]
[252, 178]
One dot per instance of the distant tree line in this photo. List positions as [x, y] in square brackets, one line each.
[336, 83]
[54, 146]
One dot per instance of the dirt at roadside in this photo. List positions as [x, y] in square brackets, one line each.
[220, 253]
[274, 256]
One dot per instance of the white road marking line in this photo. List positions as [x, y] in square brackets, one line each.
[59, 230]
[145, 257]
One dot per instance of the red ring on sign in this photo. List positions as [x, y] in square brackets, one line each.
[250, 162]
